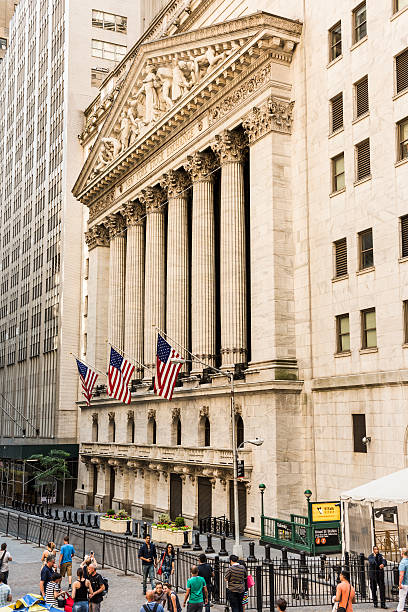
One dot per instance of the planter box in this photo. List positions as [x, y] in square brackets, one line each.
[170, 537]
[108, 524]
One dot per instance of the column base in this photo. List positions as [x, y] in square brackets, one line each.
[83, 499]
[101, 503]
[136, 511]
[121, 504]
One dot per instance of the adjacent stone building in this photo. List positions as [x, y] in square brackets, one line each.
[246, 195]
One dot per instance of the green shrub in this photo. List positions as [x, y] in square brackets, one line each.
[164, 519]
[179, 522]
[110, 512]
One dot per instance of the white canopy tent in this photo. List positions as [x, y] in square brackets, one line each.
[359, 516]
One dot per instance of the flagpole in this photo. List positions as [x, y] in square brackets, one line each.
[237, 548]
[142, 365]
[88, 364]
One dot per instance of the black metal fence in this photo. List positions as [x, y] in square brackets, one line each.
[301, 581]
[218, 526]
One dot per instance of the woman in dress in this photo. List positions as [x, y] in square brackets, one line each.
[167, 562]
[81, 589]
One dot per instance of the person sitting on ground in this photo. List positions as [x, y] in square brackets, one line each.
[46, 574]
[151, 605]
[49, 551]
[172, 600]
[159, 594]
[5, 591]
[80, 590]
[53, 590]
[281, 604]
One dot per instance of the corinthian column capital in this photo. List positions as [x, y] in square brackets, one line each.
[230, 146]
[201, 166]
[97, 235]
[176, 182]
[133, 213]
[115, 224]
[153, 199]
[273, 116]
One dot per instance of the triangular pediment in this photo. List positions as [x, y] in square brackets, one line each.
[168, 79]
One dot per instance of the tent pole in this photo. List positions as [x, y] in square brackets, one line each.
[343, 527]
[373, 526]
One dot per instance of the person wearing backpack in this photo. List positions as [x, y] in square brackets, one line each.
[151, 605]
[172, 600]
[5, 559]
[98, 588]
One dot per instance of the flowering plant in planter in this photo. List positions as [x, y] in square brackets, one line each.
[122, 515]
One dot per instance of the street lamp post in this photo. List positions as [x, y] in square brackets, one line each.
[308, 495]
[262, 488]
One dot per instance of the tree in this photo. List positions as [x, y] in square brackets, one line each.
[53, 468]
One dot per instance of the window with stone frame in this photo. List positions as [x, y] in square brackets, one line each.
[109, 21]
[359, 432]
[404, 235]
[239, 424]
[343, 333]
[366, 249]
[363, 163]
[338, 174]
[131, 428]
[95, 428]
[340, 258]
[359, 22]
[361, 102]
[336, 113]
[405, 319]
[111, 428]
[368, 329]
[401, 71]
[402, 132]
[151, 431]
[335, 41]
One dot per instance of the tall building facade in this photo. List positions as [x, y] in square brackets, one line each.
[247, 196]
[7, 8]
[56, 52]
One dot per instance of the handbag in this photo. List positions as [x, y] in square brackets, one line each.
[340, 608]
[250, 581]
[160, 571]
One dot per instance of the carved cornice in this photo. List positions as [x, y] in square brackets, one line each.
[133, 213]
[115, 224]
[176, 182]
[175, 414]
[97, 235]
[201, 166]
[151, 414]
[131, 415]
[204, 411]
[111, 416]
[230, 146]
[275, 115]
[153, 198]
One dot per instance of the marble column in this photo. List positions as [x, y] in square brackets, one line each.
[134, 213]
[177, 288]
[231, 148]
[97, 239]
[155, 272]
[117, 266]
[201, 166]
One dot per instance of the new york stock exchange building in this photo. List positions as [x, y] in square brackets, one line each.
[194, 179]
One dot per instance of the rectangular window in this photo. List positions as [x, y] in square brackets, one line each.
[359, 22]
[340, 255]
[363, 167]
[359, 432]
[365, 240]
[402, 127]
[108, 21]
[405, 316]
[404, 236]
[368, 329]
[3, 44]
[97, 76]
[401, 69]
[336, 104]
[335, 41]
[343, 333]
[361, 97]
[338, 176]
[399, 5]
[107, 50]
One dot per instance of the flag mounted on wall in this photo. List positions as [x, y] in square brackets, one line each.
[88, 379]
[119, 375]
[166, 369]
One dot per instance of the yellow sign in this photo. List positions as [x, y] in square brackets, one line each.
[325, 511]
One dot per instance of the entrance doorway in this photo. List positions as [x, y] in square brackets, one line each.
[176, 487]
[111, 486]
[204, 498]
[241, 504]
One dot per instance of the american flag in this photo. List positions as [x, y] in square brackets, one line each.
[166, 372]
[119, 375]
[88, 379]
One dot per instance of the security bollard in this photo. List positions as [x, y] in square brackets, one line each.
[186, 543]
[88, 521]
[144, 530]
[49, 513]
[64, 516]
[362, 575]
[347, 560]
[209, 548]
[57, 516]
[96, 524]
[223, 551]
[82, 523]
[285, 562]
[197, 545]
[268, 553]
[69, 516]
[251, 552]
[135, 529]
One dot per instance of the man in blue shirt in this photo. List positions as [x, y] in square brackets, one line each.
[151, 605]
[148, 557]
[65, 560]
[403, 580]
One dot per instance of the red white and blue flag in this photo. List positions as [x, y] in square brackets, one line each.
[88, 379]
[166, 371]
[119, 375]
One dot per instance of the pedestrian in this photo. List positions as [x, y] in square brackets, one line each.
[403, 580]
[53, 589]
[245, 598]
[166, 565]
[376, 564]
[5, 559]
[345, 593]
[235, 577]
[50, 550]
[281, 604]
[172, 600]
[206, 571]
[159, 594]
[86, 562]
[151, 605]
[196, 593]
[97, 586]
[148, 556]
[81, 589]
[5, 591]
[47, 572]
[65, 560]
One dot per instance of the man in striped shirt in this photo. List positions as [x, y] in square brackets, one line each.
[53, 589]
[235, 577]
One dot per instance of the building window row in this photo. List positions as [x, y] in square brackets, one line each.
[108, 21]
[361, 105]
[107, 50]
[368, 331]
[365, 253]
[362, 166]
